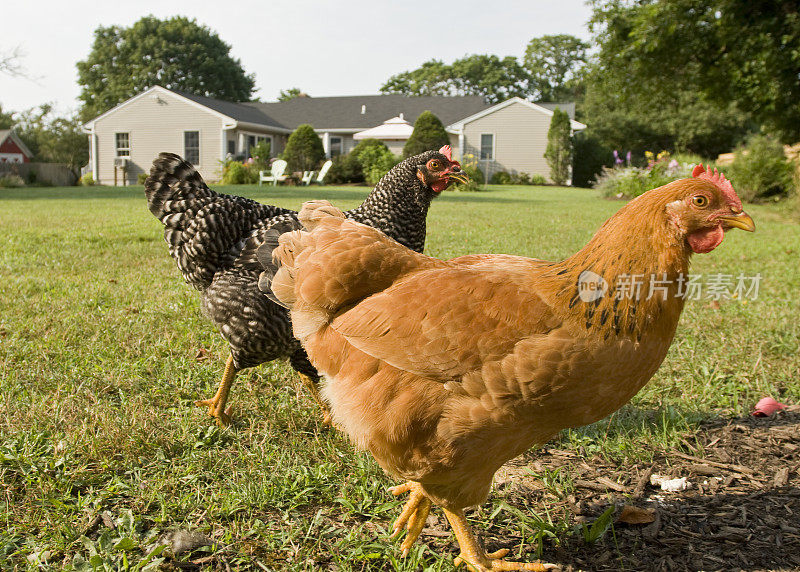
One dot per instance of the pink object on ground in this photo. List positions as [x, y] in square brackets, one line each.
[767, 406]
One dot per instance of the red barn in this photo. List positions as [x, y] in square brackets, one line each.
[12, 149]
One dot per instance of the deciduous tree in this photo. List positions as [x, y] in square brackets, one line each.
[177, 53]
[555, 64]
[489, 76]
[730, 50]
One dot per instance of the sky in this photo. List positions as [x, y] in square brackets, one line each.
[325, 48]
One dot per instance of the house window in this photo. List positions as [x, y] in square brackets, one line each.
[487, 146]
[249, 141]
[191, 147]
[231, 147]
[123, 144]
[335, 145]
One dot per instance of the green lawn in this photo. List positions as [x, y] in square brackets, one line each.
[100, 362]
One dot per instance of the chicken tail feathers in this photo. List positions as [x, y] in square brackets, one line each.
[205, 230]
[331, 265]
[263, 253]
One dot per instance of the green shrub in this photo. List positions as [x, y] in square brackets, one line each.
[500, 178]
[429, 134]
[11, 181]
[141, 178]
[260, 153]
[589, 156]
[559, 147]
[238, 173]
[628, 181]
[376, 161]
[347, 168]
[469, 164]
[761, 171]
[304, 150]
[535, 179]
[520, 178]
[87, 180]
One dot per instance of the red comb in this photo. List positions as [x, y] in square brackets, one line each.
[447, 152]
[719, 180]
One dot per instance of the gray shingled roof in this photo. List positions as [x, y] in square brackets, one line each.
[344, 112]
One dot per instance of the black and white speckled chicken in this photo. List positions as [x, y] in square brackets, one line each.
[207, 231]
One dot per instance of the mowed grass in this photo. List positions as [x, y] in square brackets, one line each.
[103, 351]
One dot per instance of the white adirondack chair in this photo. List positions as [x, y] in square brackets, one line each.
[324, 171]
[308, 176]
[274, 175]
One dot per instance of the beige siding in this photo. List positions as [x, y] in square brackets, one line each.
[396, 145]
[520, 139]
[157, 124]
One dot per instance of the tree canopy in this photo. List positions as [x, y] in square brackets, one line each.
[728, 50]
[177, 53]
[291, 93]
[489, 76]
[555, 64]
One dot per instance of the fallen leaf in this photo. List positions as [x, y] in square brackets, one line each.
[767, 406]
[202, 354]
[636, 515]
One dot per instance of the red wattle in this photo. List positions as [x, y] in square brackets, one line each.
[706, 240]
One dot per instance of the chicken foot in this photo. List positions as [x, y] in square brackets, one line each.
[312, 389]
[476, 558]
[413, 516]
[216, 405]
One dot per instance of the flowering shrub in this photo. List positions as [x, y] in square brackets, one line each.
[627, 181]
[469, 164]
[238, 173]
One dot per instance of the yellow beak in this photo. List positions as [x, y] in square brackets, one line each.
[460, 177]
[741, 220]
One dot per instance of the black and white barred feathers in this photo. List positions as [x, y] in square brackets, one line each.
[207, 233]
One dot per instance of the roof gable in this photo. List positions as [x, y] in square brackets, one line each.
[458, 125]
[155, 91]
[9, 134]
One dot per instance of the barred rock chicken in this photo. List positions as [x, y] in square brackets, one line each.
[206, 232]
[445, 370]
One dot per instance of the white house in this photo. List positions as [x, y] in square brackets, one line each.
[510, 136]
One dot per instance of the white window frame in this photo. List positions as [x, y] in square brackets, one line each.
[185, 154]
[117, 148]
[480, 147]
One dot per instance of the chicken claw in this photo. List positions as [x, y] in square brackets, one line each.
[216, 405]
[476, 558]
[413, 516]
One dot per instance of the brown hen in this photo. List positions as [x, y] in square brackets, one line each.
[445, 370]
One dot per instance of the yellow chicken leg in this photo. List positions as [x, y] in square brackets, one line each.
[216, 405]
[413, 516]
[476, 558]
[312, 389]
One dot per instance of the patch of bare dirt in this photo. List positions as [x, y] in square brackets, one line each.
[741, 510]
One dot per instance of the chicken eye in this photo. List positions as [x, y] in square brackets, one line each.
[435, 165]
[700, 200]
